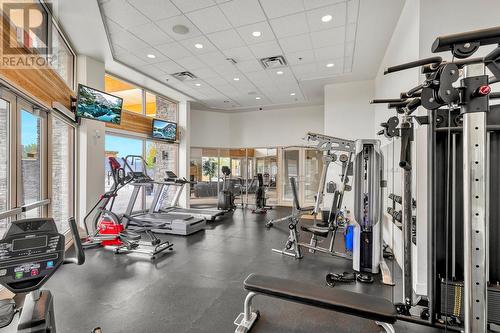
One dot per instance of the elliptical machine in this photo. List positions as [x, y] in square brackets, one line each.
[261, 206]
[226, 196]
[32, 250]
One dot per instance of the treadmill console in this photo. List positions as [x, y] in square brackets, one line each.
[30, 252]
[140, 177]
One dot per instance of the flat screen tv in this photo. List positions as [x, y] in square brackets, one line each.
[98, 105]
[164, 130]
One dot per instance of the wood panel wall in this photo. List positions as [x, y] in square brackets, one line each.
[42, 84]
[134, 122]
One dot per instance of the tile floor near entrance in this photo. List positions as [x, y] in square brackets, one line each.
[199, 286]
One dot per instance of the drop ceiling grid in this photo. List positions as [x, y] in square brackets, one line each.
[235, 29]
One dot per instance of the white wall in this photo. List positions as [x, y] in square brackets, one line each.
[210, 129]
[348, 113]
[267, 128]
[90, 141]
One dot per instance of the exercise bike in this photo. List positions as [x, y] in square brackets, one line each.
[31, 251]
[109, 231]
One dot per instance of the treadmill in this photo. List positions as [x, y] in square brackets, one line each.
[157, 222]
[173, 208]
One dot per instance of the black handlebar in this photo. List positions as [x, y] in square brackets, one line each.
[435, 61]
[79, 258]
[482, 36]
[386, 100]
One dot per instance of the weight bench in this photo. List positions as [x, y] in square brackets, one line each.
[378, 309]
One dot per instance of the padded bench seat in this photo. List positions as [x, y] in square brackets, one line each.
[338, 300]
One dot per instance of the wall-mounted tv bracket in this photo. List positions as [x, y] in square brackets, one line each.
[472, 96]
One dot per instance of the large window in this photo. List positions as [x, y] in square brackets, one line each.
[132, 95]
[4, 159]
[159, 156]
[139, 100]
[63, 58]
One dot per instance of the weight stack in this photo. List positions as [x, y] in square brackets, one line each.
[452, 297]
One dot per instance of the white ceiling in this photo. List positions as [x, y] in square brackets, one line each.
[292, 28]
[89, 35]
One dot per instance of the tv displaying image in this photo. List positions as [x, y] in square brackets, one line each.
[164, 130]
[98, 105]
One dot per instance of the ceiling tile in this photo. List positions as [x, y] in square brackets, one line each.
[277, 8]
[302, 71]
[151, 70]
[349, 49]
[143, 52]
[190, 5]
[328, 37]
[209, 20]
[131, 60]
[155, 9]
[128, 41]
[290, 25]
[167, 24]
[301, 57]
[117, 49]
[263, 27]
[124, 14]
[335, 70]
[169, 67]
[217, 81]
[259, 78]
[112, 26]
[239, 53]
[208, 47]
[352, 11]
[242, 12]
[226, 39]
[190, 63]
[151, 34]
[249, 66]
[348, 63]
[296, 43]
[338, 12]
[329, 52]
[173, 50]
[266, 49]
[205, 73]
[350, 34]
[214, 59]
[310, 4]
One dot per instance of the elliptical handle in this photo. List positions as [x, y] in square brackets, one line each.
[436, 61]
[483, 37]
[79, 259]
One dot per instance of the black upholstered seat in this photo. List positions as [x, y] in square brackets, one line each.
[360, 305]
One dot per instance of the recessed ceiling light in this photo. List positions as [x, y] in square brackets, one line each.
[326, 18]
[256, 33]
[236, 79]
[330, 65]
[197, 84]
[198, 45]
[257, 97]
[292, 94]
[151, 56]
[279, 72]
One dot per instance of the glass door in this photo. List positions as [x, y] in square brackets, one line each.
[290, 168]
[313, 165]
[30, 180]
[23, 160]
[5, 204]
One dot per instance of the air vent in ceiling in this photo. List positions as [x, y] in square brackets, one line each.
[273, 62]
[184, 76]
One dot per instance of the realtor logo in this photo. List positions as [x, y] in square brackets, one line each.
[24, 34]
